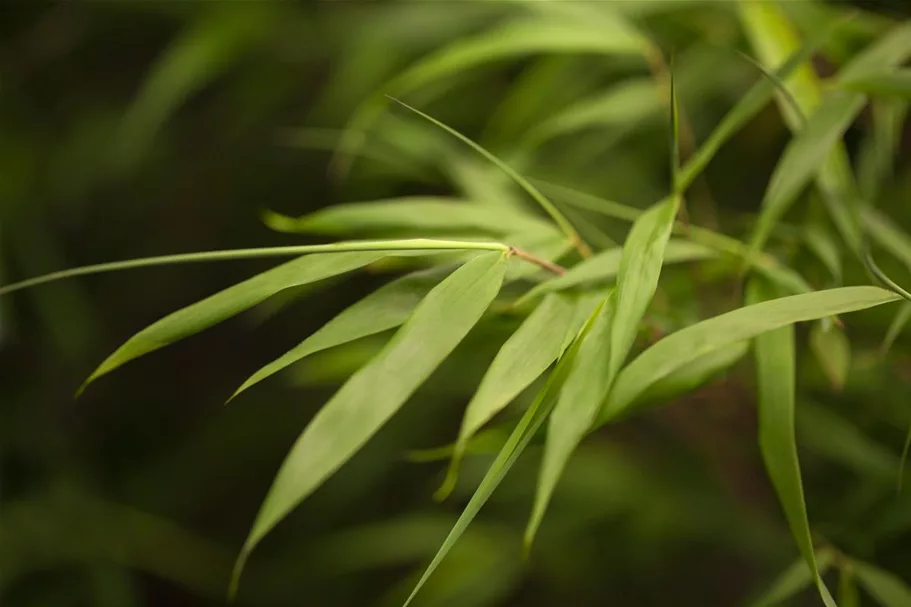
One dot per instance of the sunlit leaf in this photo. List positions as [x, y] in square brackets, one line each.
[418, 215]
[793, 580]
[384, 309]
[681, 347]
[232, 301]
[776, 385]
[535, 345]
[523, 433]
[377, 390]
[577, 407]
[887, 588]
[833, 351]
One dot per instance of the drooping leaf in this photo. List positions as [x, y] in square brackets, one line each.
[523, 433]
[887, 588]
[527, 354]
[776, 385]
[577, 407]
[376, 391]
[384, 309]
[232, 301]
[833, 351]
[604, 266]
[408, 215]
[794, 579]
[681, 347]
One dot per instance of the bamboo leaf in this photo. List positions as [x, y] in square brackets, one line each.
[523, 433]
[822, 244]
[794, 579]
[678, 349]
[576, 410]
[411, 214]
[897, 325]
[886, 84]
[384, 309]
[887, 588]
[775, 378]
[888, 235]
[376, 391]
[833, 351]
[604, 266]
[525, 356]
[232, 301]
[880, 146]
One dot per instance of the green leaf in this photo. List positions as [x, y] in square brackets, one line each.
[793, 580]
[232, 301]
[604, 266]
[674, 135]
[833, 351]
[384, 309]
[876, 156]
[576, 410]
[527, 354]
[775, 379]
[677, 349]
[888, 235]
[413, 214]
[888, 589]
[637, 280]
[848, 596]
[824, 247]
[377, 390]
[521, 436]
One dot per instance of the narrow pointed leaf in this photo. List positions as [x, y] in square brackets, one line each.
[604, 266]
[410, 214]
[825, 248]
[678, 349]
[527, 354]
[521, 436]
[887, 588]
[896, 327]
[888, 235]
[776, 384]
[376, 391]
[384, 309]
[576, 409]
[833, 351]
[793, 580]
[232, 301]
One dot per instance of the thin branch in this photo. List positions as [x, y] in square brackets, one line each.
[538, 261]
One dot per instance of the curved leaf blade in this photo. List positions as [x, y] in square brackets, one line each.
[527, 354]
[776, 384]
[384, 309]
[677, 349]
[377, 390]
[887, 588]
[794, 579]
[232, 301]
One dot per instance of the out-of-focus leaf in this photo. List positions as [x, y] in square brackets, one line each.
[896, 327]
[888, 235]
[887, 588]
[194, 59]
[678, 349]
[526, 429]
[384, 309]
[418, 215]
[830, 435]
[232, 301]
[535, 345]
[604, 266]
[820, 241]
[879, 148]
[794, 579]
[885, 84]
[776, 385]
[376, 391]
[848, 595]
[577, 407]
[750, 105]
[833, 351]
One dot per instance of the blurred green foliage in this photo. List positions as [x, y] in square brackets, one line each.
[141, 128]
